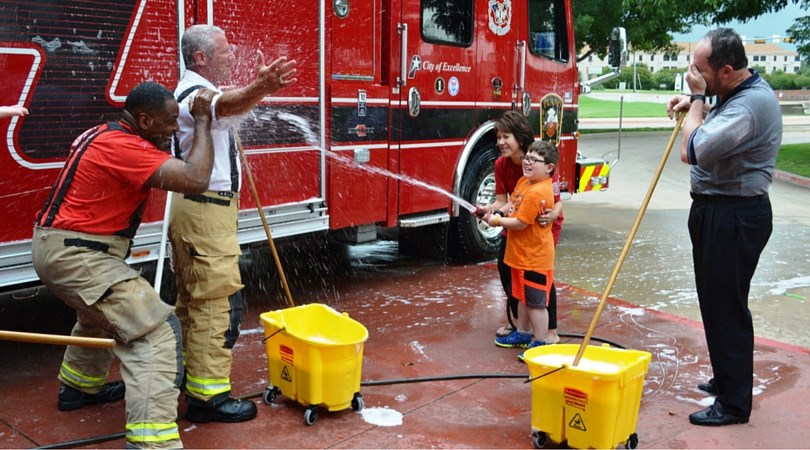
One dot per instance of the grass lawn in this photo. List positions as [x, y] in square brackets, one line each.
[794, 158]
[594, 108]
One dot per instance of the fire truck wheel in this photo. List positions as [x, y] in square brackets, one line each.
[469, 238]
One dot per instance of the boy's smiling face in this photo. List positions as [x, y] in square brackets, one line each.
[535, 168]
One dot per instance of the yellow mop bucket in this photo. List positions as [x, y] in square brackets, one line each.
[314, 356]
[591, 405]
[585, 394]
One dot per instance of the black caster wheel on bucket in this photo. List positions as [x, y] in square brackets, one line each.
[270, 394]
[311, 415]
[357, 402]
[632, 442]
[538, 439]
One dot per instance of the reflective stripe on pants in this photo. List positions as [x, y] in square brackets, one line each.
[87, 383]
[207, 387]
[153, 435]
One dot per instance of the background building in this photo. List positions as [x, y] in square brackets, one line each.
[768, 55]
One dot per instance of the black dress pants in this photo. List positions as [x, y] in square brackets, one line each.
[728, 235]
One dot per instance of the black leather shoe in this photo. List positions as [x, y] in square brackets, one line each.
[710, 387]
[221, 408]
[714, 416]
[71, 398]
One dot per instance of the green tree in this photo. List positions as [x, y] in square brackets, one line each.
[644, 77]
[651, 23]
[802, 81]
[666, 78]
[783, 81]
[800, 32]
[648, 26]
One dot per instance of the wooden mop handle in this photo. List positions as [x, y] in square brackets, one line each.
[249, 175]
[630, 238]
[56, 339]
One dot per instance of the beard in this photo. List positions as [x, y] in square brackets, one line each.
[162, 143]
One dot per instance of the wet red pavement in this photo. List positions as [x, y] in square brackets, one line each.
[432, 320]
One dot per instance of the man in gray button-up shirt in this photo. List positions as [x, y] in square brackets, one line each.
[732, 148]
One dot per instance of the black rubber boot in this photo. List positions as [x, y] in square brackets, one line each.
[221, 408]
[71, 398]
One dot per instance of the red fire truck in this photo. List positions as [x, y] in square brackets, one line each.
[403, 87]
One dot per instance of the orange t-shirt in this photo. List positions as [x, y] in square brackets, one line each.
[531, 248]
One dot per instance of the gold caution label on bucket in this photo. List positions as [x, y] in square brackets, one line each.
[286, 354]
[575, 398]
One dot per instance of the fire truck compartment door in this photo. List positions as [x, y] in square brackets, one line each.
[358, 109]
[354, 39]
[441, 79]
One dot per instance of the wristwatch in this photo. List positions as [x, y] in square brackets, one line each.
[700, 97]
[498, 212]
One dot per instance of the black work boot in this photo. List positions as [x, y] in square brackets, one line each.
[220, 408]
[71, 398]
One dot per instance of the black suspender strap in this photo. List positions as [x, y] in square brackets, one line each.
[232, 152]
[188, 92]
[91, 134]
[134, 222]
[180, 98]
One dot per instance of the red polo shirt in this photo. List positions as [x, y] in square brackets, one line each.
[107, 188]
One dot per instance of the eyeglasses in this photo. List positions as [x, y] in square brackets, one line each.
[530, 160]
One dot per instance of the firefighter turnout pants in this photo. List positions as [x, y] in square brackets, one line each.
[205, 257]
[89, 274]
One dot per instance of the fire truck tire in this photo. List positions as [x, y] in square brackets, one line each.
[470, 239]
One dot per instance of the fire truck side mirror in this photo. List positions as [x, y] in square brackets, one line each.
[617, 49]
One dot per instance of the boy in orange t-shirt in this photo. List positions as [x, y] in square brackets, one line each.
[530, 247]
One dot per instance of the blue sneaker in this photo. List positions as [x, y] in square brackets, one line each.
[514, 339]
[532, 344]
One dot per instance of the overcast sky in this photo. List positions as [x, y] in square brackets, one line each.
[762, 27]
